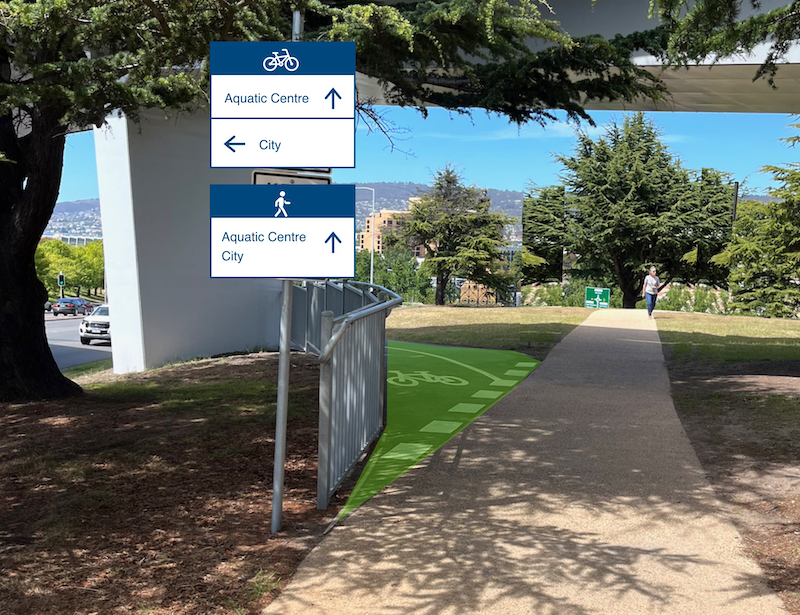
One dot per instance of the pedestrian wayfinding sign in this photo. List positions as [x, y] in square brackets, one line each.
[597, 297]
[283, 231]
[282, 105]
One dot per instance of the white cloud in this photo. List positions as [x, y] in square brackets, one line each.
[675, 138]
[555, 130]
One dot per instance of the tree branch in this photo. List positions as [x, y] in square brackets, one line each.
[159, 16]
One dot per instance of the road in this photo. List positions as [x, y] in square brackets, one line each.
[65, 343]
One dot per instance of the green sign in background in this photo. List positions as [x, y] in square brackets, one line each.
[597, 297]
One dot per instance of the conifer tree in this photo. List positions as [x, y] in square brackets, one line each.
[544, 223]
[460, 236]
[713, 29]
[630, 205]
[764, 253]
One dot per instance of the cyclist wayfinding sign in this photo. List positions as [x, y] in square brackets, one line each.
[282, 105]
[283, 231]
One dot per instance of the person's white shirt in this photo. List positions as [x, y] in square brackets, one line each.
[651, 284]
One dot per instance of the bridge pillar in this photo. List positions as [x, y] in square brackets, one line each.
[154, 199]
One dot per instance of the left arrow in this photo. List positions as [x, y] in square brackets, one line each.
[230, 142]
[333, 239]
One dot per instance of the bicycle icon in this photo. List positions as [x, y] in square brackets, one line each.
[276, 60]
[414, 378]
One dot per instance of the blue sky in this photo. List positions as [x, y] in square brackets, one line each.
[491, 153]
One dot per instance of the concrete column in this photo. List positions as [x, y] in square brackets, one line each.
[154, 199]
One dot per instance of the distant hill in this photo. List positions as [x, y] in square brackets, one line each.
[72, 207]
[395, 195]
[761, 198]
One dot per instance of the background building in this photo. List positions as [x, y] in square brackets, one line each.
[384, 221]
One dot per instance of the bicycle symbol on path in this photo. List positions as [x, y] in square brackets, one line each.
[276, 60]
[414, 378]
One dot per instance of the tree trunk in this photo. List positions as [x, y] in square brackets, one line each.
[441, 285]
[27, 368]
[630, 299]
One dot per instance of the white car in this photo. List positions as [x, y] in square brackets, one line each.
[96, 326]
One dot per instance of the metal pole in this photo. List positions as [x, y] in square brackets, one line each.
[372, 249]
[325, 410]
[297, 25]
[735, 200]
[283, 407]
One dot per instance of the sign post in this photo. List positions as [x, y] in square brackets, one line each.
[283, 106]
[282, 231]
[282, 407]
[597, 297]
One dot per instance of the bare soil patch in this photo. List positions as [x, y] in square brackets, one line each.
[743, 420]
[156, 498]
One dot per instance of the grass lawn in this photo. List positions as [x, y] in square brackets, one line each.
[533, 331]
[736, 387]
[707, 337]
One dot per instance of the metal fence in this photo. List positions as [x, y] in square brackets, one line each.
[344, 323]
[311, 298]
[465, 293]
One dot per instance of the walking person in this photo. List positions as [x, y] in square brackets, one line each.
[650, 291]
[279, 205]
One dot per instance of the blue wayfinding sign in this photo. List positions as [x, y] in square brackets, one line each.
[282, 105]
[282, 231]
[257, 58]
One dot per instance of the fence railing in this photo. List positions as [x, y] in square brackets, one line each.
[352, 387]
[315, 297]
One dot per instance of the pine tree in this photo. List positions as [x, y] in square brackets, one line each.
[544, 223]
[460, 236]
[764, 254]
[632, 205]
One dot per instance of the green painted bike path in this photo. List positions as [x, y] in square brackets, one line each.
[434, 392]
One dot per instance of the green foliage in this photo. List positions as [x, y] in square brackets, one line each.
[262, 584]
[629, 205]
[764, 254]
[547, 294]
[677, 299]
[713, 28]
[83, 266]
[397, 269]
[85, 58]
[544, 223]
[460, 236]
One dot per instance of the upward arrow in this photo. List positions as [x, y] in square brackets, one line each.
[333, 239]
[332, 95]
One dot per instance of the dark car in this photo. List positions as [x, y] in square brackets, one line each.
[72, 305]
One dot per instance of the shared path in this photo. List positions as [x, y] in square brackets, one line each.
[578, 493]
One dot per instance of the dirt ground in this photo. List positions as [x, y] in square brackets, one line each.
[743, 420]
[136, 506]
[149, 503]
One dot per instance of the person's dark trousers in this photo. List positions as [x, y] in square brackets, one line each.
[651, 303]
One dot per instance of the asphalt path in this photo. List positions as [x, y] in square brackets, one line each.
[65, 343]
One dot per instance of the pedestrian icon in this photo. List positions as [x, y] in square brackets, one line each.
[279, 203]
